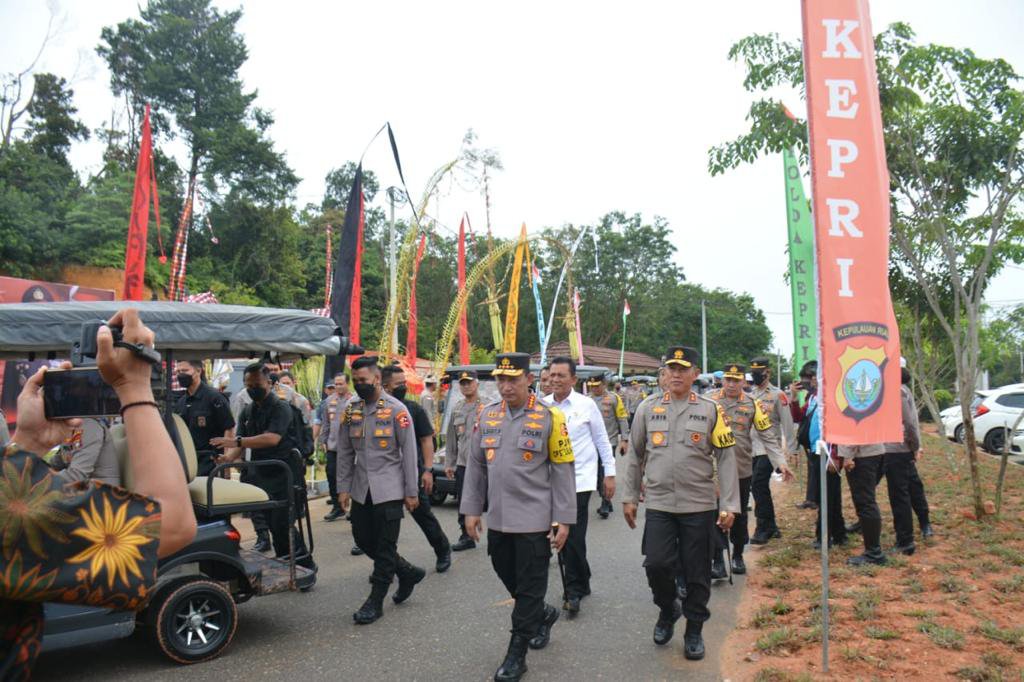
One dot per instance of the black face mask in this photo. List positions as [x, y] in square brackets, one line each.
[257, 393]
[365, 391]
[758, 377]
[274, 376]
[400, 392]
[185, 380]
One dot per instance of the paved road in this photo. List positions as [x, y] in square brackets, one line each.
[454, 627]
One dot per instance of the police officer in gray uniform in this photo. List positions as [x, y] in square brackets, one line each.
[333, 408]
[90, 455]
[377, 473]
[616, 423]
[673, 440]
[767, 461]
[456, 444]
[745, 418]
[520, 467]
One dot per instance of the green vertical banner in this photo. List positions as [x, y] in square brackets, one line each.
[801, 263]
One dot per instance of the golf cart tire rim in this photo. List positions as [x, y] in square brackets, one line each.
[198, 622]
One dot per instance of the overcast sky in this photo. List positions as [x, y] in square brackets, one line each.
[593, 107]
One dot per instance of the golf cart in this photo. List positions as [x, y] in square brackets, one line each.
[444, 486]
[191, 612]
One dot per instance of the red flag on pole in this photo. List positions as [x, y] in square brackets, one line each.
[138, 224]
[463, 329]
[410, 339]
[329, 281]
[859, 369]
[357, 278]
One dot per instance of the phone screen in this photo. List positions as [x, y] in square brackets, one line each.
[78, 392]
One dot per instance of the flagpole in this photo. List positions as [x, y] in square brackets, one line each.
[704, 335]
[622, 351]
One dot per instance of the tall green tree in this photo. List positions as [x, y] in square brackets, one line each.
[52, 125]
[953, 125]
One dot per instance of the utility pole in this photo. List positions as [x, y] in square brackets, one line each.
[704, 335]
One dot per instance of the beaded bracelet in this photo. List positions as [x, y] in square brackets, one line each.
[141, 402]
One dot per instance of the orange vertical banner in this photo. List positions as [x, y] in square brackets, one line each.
[138, 223]
[859, 369]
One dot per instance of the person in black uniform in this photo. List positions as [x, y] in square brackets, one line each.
[265, 427]
[205, 411]
[393, 380]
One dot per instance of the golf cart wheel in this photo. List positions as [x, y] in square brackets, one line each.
[438, 497]
[195, 621]
[995, 439]
[958, 434]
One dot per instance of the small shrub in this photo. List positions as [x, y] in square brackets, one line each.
[1008, 554]
[780, 638]
[952, 583]
[945, 637]
[865, 604]
[923, 614]
[1011, 585]
[875, 632]
[1011, 636]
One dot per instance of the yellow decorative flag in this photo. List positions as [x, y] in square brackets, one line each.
[512, 313]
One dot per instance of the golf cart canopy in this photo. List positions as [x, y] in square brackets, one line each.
[49, 330]
[583, 372]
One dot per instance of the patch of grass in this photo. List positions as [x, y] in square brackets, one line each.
[979, 673]
[1011, 585]
[923, 614]
[865, 604]
[780, 581]
[945, 637]
[1008, 554]
[787, 557]
[1012, 636]
[913, 586]
[995, 659]
[952, 583]
[851, 654]
[776, 675]
[988, 566]
[779, 638]
[769, 613]
[875, 632]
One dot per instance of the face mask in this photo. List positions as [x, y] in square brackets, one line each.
[758, 377]
[257, 393]
[185, 380]
[274, 376]
[400, 392]
[365, 391]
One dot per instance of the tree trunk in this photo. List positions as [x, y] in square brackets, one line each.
[972, 458]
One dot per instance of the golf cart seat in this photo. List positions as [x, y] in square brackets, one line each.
[226, 494]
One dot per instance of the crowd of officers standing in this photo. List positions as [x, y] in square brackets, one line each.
[529, 463]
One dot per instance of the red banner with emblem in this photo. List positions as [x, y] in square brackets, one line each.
[138, 224]
[859, 369]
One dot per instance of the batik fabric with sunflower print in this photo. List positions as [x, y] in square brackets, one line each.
[82, 543]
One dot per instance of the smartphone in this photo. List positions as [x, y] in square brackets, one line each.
[78, 392]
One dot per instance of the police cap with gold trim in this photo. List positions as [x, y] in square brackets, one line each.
[682, 355]
[511, 364]
[734, 371]
[466, 375]
[760, 363]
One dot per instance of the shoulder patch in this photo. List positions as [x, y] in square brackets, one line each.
[559, 444]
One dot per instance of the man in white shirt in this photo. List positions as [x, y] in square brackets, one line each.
[589, 441]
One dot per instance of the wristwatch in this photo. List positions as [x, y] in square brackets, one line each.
[238, 441]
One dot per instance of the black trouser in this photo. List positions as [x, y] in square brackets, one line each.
[673, 539]
[834, 490]
[600, 477]
[577, 569]
[332, 476]
[739, 533]
[897, 477]
[460, 479]
[760, 484]
[813, 493]
[375, 529]
[863, 480]
[917, 497]
[274, 482]
[424, 517]
[521, 561]
[205, 463]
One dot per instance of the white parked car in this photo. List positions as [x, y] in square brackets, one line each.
[1017, 444]
[953, 423]
[995, 415]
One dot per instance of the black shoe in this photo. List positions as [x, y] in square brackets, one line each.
[926, 531]
[307, 562]
[355, 551]
[407, 580]
[611, 507]
[761, 537]
[262, 541]
[602, 512]
[666, 625]
[807, 504]
[693, 643]
[718, 569]
[817, 543]
[335, 514]
[572, 606]
[905, 550]
[738, 567]
[465, 542]
[444, 562]
[513, 667]
[840, 541]
[371, 610]
[853, 528]
[870, 556]
[543, 636]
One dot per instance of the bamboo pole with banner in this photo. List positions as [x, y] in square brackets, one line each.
[622, 351]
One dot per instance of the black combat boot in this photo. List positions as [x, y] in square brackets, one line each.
[465, 542]
[543, 636]
[408, 577]
[665, 627]
[872, 530]
[262, 541]
[373, 607]
[739, 567]
[513, 667]
[693, 643]
[718, 567]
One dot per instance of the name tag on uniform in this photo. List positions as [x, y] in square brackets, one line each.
[384, 414]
